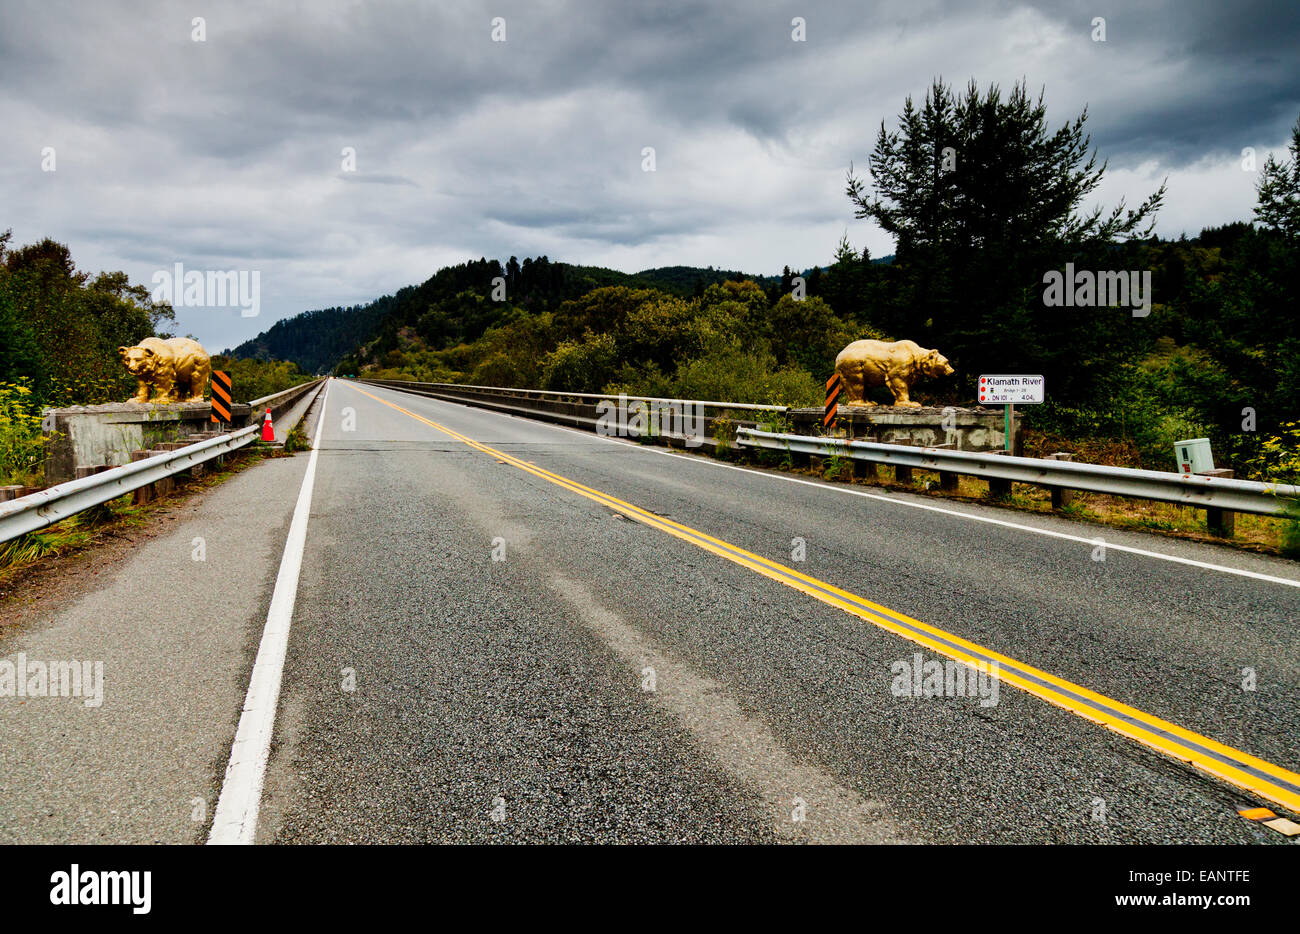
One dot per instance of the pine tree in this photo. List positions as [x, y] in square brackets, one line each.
[1279, 191]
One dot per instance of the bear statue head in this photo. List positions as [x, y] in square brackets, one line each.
[140, 361]
[935, 364]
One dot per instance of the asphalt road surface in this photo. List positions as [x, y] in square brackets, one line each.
[484, 647]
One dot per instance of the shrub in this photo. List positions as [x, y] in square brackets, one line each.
[580, 366]
[733, 374]
[22, 452]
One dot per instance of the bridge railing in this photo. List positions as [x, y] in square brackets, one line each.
[1221, 496]
[581, 409]
[540, 395]
[54, 504]
[1205, 492]
[61, 501]
[278, 402]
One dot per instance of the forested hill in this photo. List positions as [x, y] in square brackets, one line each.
[318, 340]
[315, 340]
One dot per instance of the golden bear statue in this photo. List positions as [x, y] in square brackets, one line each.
[176, 369]
[864, 365]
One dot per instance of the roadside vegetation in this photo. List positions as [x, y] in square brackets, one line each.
[253, 379]
[59, 333]
[22, 454]
[984, 198]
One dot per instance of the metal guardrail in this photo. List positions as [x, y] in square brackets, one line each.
[54, 504]
[1229, 495]
[46, 507]
[582, 409]
[278, 401]
[559, 395]
[285, 395]
[1188, 490]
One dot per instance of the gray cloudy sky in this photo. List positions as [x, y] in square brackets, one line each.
[227, 153]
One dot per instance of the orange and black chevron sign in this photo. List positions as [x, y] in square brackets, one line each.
[221, 397]
[833, 387]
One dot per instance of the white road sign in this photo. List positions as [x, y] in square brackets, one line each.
[1011, 390]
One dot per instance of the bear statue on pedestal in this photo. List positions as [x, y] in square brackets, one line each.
[176, 369]
[863, 365]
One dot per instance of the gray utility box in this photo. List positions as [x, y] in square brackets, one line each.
[1193, 455]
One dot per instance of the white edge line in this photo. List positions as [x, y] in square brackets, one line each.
[1092, 542]
[235, 820]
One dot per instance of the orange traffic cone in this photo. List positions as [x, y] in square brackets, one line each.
[268, 430]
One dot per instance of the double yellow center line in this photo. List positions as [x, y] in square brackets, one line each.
[1269, 781]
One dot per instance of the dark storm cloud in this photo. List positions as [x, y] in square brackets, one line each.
[1207, 77]
[228, 151]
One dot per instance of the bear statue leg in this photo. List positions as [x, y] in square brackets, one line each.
[164, 389]
[855, 389]
[141, 391]
[900, 390]
[199, 380]
[185, 386]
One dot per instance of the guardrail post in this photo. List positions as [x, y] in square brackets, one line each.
[999, 488]
[147, 492]
[176, 446]
[1061, 497]
[902, 474]
[12, 491]
[1220, 522]
[163, 485]
[865, 469]
[948, 480]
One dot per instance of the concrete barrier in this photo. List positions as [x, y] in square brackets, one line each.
[108, 434]
[964, 429]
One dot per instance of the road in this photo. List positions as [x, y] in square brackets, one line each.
[485, 646]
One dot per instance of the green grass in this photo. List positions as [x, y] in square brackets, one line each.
[296, 440]
[838, 467]
[1077, 510]
[1289, 537]
[32, 547]
[769, 457]
[722, 431]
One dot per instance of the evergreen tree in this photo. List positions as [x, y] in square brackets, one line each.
[982, 200]
[1279, 191]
